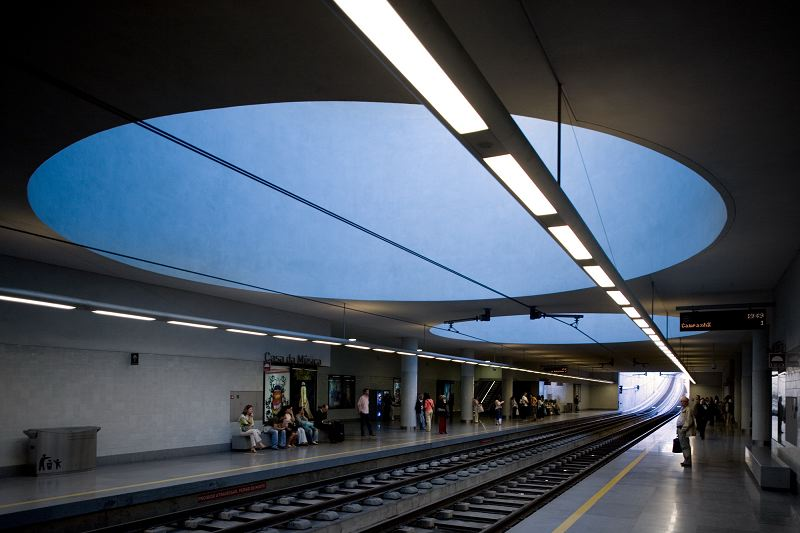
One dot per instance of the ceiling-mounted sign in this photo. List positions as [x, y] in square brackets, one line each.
[723, 320]
[555, 369]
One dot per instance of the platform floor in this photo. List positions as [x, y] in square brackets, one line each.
[66, 494]
[716, 495]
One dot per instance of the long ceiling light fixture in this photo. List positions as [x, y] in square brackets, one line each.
[404, 34]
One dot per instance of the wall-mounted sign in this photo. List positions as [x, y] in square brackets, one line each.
[723, 320]
[555, 369]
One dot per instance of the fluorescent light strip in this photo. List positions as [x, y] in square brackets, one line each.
[383, 350]
[599, 276]
[648, 331]
[405, 353]
[246, 332]
[425, 356]
[570, 241]
[387, 31]
[631, 312]
[36, 302]
[122, 315]
[357, 347]
[618, 297]
[642, 323]
[654, 338]
[329, 343]
[442, 358]
[190, 325]
[515, 178]
[471, 362]
[290, 338]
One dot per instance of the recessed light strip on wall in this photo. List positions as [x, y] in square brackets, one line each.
[122, 315]
[35, 302]
[503, 149]
[245, 332]
[190, 324]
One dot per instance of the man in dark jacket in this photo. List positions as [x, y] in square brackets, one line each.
[419, 409]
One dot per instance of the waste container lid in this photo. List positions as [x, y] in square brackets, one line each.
[34, 432]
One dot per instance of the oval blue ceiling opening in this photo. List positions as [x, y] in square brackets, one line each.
[391, 168]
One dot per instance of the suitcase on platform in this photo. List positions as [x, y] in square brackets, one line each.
[336, 433]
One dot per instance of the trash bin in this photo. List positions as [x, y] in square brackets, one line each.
[59, 450]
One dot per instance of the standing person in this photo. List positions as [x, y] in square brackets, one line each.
[441, 414]
[535, 407]
[577, 401]
[363, 412]
[477, 409]
[699, 413]
[524, 406]
[428, 403]
[685, 428]
[419, 409]
[514, 407]
[247, 426]
[498, 411]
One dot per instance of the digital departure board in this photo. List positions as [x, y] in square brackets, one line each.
[723, 320]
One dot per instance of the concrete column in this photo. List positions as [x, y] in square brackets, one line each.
[508, 390]
[408, 384]
[747, 388]
[467, 391]
[737, 390]
[762, 393]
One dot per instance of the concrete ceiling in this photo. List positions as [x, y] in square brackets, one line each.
[712, 85]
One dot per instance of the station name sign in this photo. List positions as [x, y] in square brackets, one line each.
[723, 320]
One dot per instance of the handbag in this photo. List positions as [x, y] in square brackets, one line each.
[676, 445]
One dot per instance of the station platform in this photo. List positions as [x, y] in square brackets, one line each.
[646, 490]
[213, 478]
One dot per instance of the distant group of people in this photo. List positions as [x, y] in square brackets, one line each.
[424, 409]
[527, 407]
[285, 430]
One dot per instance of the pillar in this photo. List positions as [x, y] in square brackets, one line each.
[508, 390]
[762, 390]
[467, 387]
[408, 384]
[747, 388]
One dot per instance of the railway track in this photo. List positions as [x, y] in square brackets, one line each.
[486, 487]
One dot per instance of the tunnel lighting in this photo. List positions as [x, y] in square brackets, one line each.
[381, 24]
[648, 331]
[599, 276]
[36, 302]
[246, 332]
[122, 315]
[329, 343]
[357, 347]
[383, 350]
[618, 297]
[631, 312]
[572, 243]
[425, 356]
[290, 338]
[515, 178]
[190, 324]
[642, 323]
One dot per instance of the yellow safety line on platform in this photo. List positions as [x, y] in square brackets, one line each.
[181, 478]
[574, 517]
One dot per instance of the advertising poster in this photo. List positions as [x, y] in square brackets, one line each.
[276, 389]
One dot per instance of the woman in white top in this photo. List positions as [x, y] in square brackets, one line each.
[247, 425]
[293, 426]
